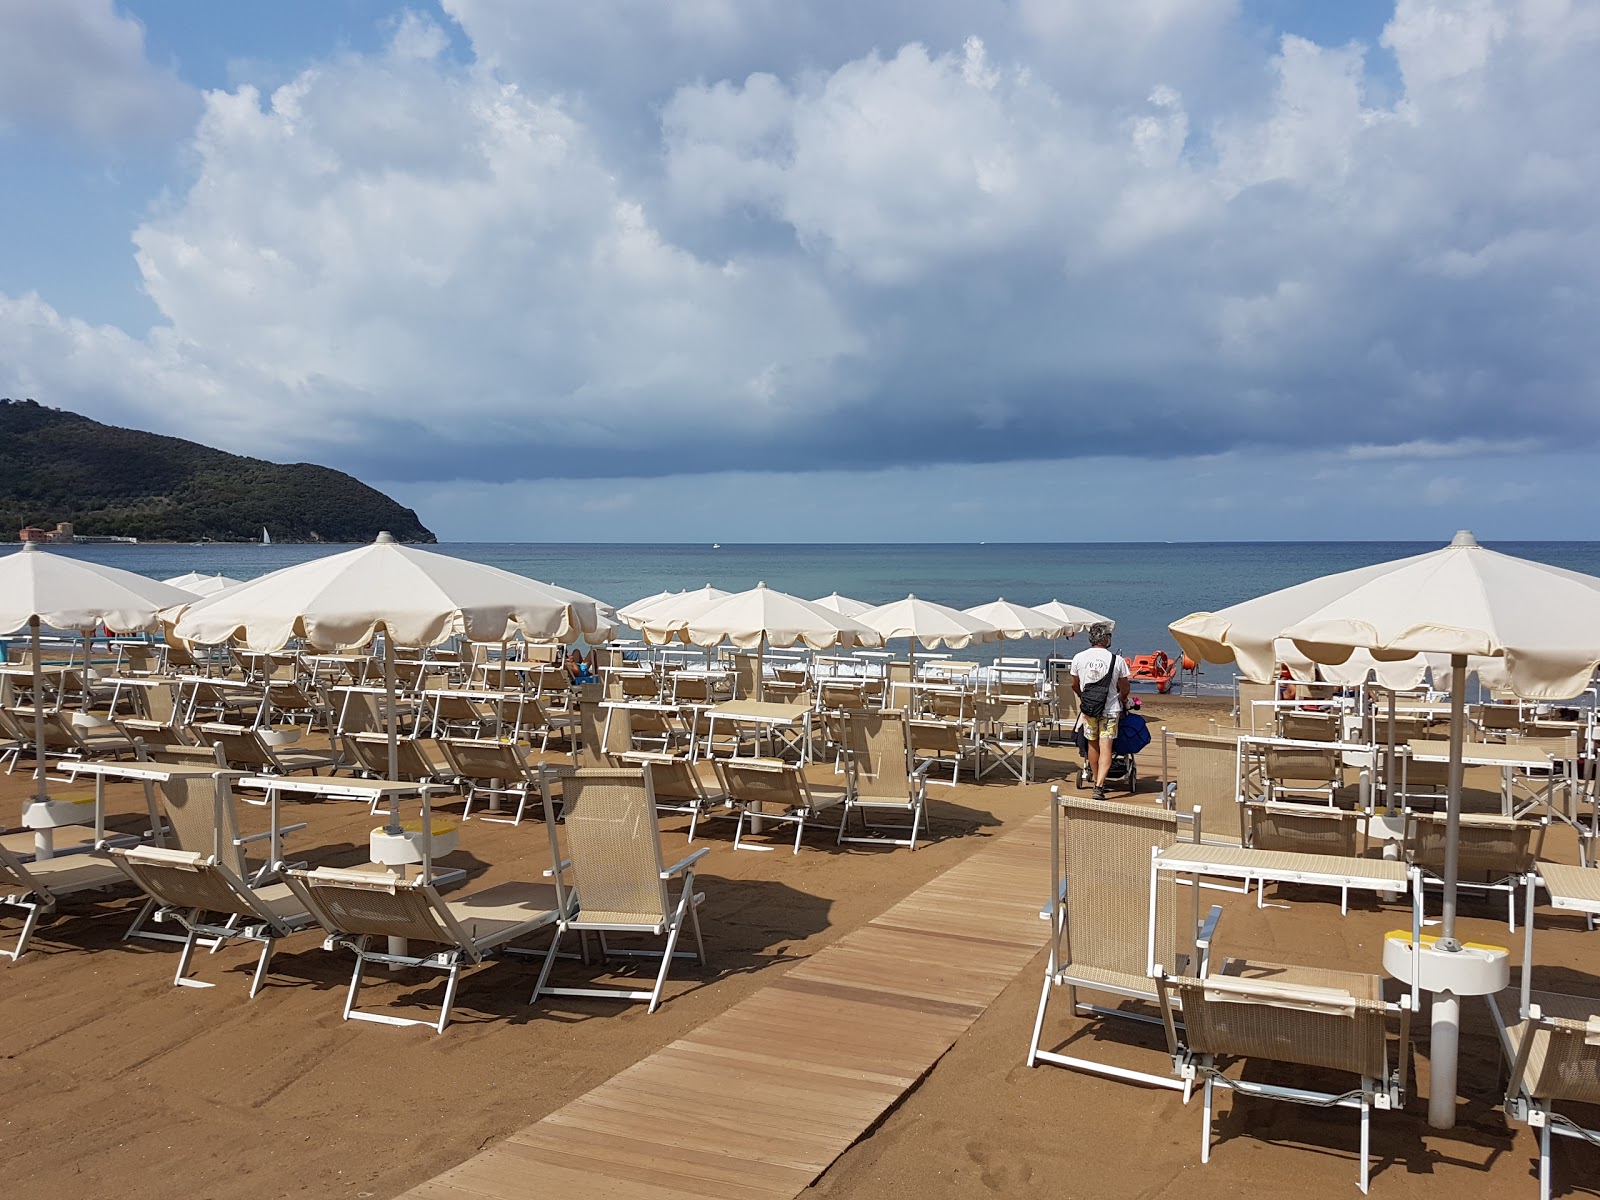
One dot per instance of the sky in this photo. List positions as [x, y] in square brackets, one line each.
[841, 270]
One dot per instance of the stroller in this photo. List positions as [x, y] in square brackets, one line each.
[1133, 735]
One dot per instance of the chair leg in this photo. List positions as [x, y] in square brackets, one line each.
[1205, 1122]
[184, 958]
[666, 955]
[1366, 1136]
[355, 979]
[799, 830]
[449, 996]
[699, 942]
[139, 919]
[1038, 1020]
[1544, 1160]
[549, 961]
[28, 924]
[261, 967]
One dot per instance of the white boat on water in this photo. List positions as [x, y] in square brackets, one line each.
[266, 538]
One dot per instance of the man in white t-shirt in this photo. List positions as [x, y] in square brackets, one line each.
[1100, 678]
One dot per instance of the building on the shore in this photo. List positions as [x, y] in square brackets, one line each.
[61, 533]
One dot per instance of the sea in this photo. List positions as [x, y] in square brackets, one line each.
[1143, 586]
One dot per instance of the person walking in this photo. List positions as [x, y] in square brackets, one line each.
[1100, 679]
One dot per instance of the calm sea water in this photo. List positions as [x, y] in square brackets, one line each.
[1144, 586]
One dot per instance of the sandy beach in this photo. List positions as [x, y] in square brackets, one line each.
[118, 1084]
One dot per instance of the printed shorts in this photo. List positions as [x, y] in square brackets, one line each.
[1100, 729]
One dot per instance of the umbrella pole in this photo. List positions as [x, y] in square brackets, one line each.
[1388, 769]
[38, 712]
[1446, 1021]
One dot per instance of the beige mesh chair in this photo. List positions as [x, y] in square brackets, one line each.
[618, 881]
[368, 754]
[263, 751]
[939, 744]
[1495, 721]
[1251, 716]
[769, 790]
[1308, 726]
[1294, 773]
[746, 677]
[1332, 1020]
[195, 890]
[1110, 920]
[38, 887]
[358, 908]
[678, 785]
[1208, 783]
[1303, 829]
[879, 778]
[1494, 854]
[1418, 780]
[492, 771]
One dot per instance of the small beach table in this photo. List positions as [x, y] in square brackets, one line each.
[1510, 758]
[789, 721]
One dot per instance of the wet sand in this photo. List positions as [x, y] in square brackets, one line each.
[115, 1083]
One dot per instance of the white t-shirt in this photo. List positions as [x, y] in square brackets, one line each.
[1090, 666]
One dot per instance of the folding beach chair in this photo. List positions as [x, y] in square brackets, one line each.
[678, 786]
[937, 743]
[771, 790]
[38, 887]
[878, 777]
[1110, 922]
[1208, 781]
[1494, 854]
[1303, 829]
[1552, 1050]
[492, 770]
[618, 882]
[357, 907]
[263, 751]
[1334, 1020]
[1293, 773]
[1308, 726]
[195, 889]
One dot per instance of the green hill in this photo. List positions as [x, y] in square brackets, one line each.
[57, 466]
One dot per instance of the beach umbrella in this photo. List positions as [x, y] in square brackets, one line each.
[413, 597]
[933, 625]
[627, 611]
[1018, 621]
[202, 585]
[666, 619]
[750, 620]
[843, 604]
[1541, 622]
[41, 588]
[1073, 619]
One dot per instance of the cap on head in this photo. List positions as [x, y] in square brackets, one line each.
[1100, 634]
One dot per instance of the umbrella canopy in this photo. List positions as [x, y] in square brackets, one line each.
[834, 602]
[666, 619]
[762, 614]
[203, 585]
[418, 597]
[1073, 619]
[1544, 622]
[1018, 621]
[933, 625]
[68, 593]
[627, 611]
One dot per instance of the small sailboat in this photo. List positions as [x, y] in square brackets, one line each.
[716, 545]
[266, 538]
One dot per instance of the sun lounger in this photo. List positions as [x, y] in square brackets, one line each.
[1333, 1020]
[677, 784]
[1208, 781]
[494, 770]
[357, 907]
[612, 877]
[771, 790]
[878, 778]
[263, 751]
[195, 889]
[39, 886]
[1494, 853]
[1109, 921]
[1303, 829]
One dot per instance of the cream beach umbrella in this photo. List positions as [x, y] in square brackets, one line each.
[668, 618]
[1017, 621]
[834, 602]
[933, 625]
[38, 587]
[750, 620]
[202, 585]
[413, 597]
[627, 611]
[1073, 619]
[1541, 622]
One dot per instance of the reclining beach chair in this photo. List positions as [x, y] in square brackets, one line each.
[1303, 829]
[1208, 781]
[936, 743]
[492, 770]
[368, 753]
[196, 889]
[263, 751]
[358, 907]
[771, 790]
[878, 778]
[38, 887]
[1294, 773]
[1334, 1020]
[618, 881]
[1494, 853]
[677, 785]
[1109, 924]
[1308, 726]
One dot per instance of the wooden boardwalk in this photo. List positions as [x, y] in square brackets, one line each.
[756, 1103]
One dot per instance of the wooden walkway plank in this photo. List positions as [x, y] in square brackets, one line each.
[759, 1101]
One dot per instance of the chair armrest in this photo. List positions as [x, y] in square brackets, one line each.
[283, 831]
[685, 864]
[564, 865]
[1204, 938]
[279, 737]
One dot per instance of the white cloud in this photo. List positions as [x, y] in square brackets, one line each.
[78, 68]
[923, 232]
